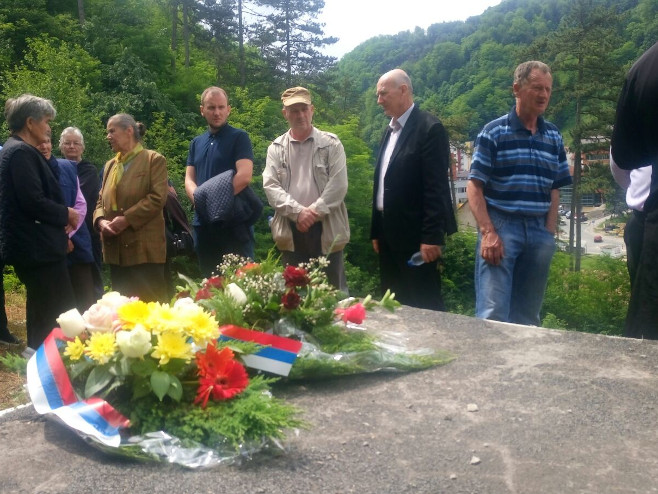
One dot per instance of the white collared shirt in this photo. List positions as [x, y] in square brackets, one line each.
[396, 126]
[636, 182]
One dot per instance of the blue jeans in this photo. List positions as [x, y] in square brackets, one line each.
[514, 290]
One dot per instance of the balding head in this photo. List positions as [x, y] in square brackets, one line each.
[395, 93]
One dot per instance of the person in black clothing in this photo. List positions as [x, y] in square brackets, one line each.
[72, 146]
[6, 337]
[34, 220]
[634, 145]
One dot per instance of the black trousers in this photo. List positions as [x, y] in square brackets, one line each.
[308, 245]
[145, 281]
[84, 289]
[633, 234]
[213, 241]
[642, 317]
[417, 286]
[49, 294]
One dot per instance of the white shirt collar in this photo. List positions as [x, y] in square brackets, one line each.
[404, 117]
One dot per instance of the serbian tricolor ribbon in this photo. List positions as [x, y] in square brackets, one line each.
[277, 356]
[51, 392]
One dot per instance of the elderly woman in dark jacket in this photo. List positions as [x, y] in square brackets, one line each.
[34, 221]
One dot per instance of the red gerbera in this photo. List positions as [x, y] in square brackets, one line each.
[295, 276]
[356, 313]
[291, 300]
[203, 294]
[220, 376]
[214, 282]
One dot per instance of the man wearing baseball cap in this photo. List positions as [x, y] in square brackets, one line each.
[305, 180]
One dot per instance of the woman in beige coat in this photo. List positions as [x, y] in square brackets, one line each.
[129, 212]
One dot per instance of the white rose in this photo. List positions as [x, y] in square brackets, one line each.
[99, 318]
[113, 300]
[134, 343]
[182, 302]
[236, 292]
[71, 322]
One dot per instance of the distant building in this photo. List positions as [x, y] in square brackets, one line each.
[461, 158]
[598, 155]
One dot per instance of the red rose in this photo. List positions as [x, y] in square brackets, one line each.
[355, 314]
[203, 294]
[291, 300]
[295, 276]
[214, 282]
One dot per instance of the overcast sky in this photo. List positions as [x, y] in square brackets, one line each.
[354, 21]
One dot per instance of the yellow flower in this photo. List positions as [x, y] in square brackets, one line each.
[133, 313]
[101, 347]
[163, 318]
[202, 327]
[75, 349]
[172, 345]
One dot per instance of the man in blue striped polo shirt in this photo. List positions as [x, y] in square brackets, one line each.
[518, 166]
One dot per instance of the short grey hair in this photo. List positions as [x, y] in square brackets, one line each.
[124, 120]
[18, 110]
[71, 130]
[523, 71]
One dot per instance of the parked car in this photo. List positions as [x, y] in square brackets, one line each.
[583, 217]
[598, 238]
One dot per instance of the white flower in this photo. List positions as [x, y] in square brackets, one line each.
[71, 322]
[182, 302]
[113, 300]
[236, 292]
[99, 317]
[134, 343]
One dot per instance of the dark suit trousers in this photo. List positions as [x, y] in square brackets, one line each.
[49, 294]
[417, 286]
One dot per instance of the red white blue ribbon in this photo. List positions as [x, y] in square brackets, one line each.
[278, 355]
[51, 392]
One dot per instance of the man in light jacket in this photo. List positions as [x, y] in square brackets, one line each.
[305, 180]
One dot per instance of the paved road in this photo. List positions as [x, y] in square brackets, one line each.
[592, 227]
[557, 413]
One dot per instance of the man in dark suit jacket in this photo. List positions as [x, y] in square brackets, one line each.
[412, 211]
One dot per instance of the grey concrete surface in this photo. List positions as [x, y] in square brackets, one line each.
[558, 412]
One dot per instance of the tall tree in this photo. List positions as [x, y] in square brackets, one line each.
[292, 36]
[81, 12]
[587, 78]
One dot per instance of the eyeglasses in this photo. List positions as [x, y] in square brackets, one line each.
[69, 143]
